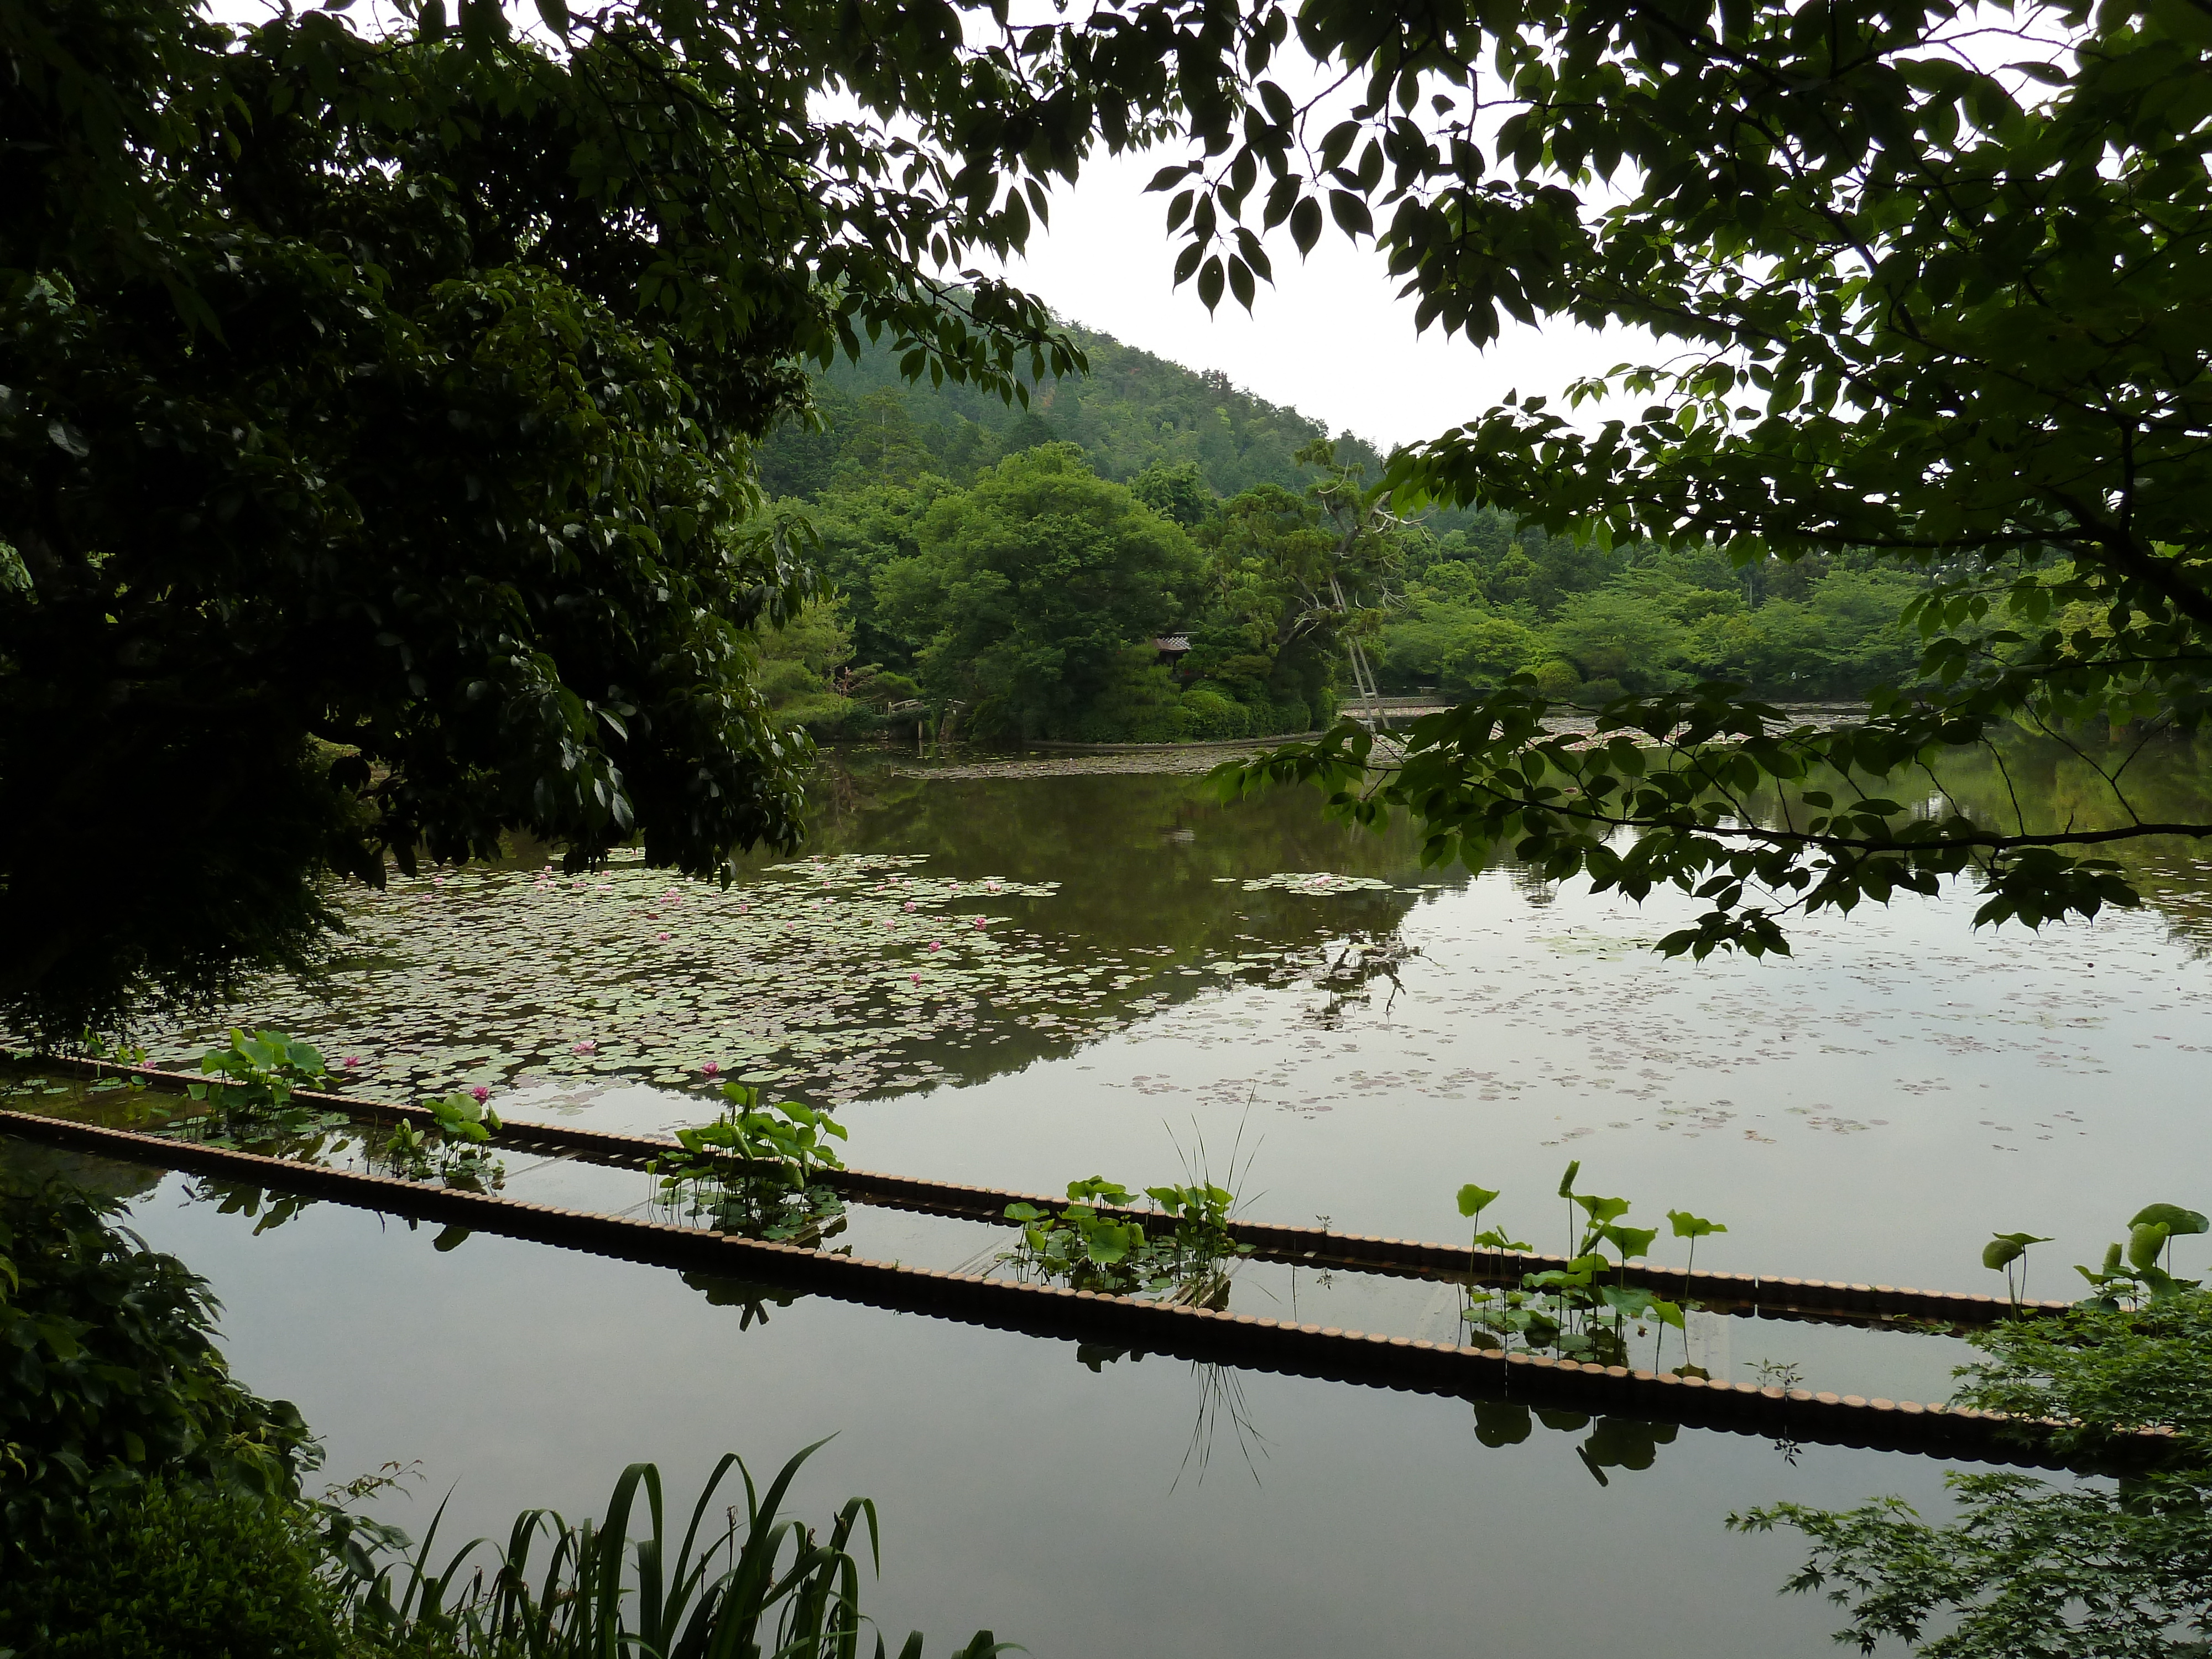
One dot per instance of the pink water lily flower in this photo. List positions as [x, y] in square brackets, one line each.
[663, 938]
[935, 946]
[916, 978]
[711, 1067]
[909, 904]
[479, 1094]
[586, 1047]
[979, 921]
[350, 1061]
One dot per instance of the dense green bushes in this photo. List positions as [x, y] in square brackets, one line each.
[150, 1502]
[2031, 1567]
[109, 1375]
[181, 1572]
[1647, 623]
[1212, 715]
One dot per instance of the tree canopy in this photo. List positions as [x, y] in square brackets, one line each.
[376, 413]
[1936, 285]
[1030, 591]
[375, 417]
[1130, 412]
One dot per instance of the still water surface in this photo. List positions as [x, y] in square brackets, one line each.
[1153, 971]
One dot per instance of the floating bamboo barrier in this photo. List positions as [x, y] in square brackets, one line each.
[1193, 1333]
[1772, 1296]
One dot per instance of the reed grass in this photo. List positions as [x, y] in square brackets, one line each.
[762, 1585]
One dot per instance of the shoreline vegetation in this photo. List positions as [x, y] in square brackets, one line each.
[1581, 720]
[174, 1517]
[1147, 555]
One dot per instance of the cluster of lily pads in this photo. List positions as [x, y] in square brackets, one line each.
[251, 1096]
[841, 976]
[835, 971]
[1314, 883]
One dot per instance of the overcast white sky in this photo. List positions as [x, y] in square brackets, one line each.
[1330, 337]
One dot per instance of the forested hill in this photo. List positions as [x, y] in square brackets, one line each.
[1140, 556]
[1133, 410]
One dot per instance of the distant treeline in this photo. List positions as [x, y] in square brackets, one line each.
[1012, 568]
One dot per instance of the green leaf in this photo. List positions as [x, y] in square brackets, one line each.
[2176, 1220]
[1474, 1200]
[2007, 1247]
[1631, 1242]
[1602, 1210]
[2145, 1242]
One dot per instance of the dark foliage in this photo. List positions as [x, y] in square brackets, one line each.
[373, 431]
[112, 1376]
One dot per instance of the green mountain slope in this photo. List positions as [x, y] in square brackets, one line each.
[1133, 411]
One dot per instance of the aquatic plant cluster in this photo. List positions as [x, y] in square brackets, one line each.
[2130, 1277]
[1572, 1310]
[841, 975]
[1085, 1248]
[752, 1169]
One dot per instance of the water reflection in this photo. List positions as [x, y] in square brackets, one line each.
[752, 1301]
[1015, 1487]
[935, 931]
[2031, 782]
[1613, 1442]
[1221, 1400]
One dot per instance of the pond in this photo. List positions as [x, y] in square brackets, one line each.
[1018, 973]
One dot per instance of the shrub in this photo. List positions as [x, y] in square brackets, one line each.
[1137, 704]
[108, 1375]
[1165, 724]
[1556, 679]
[1293, 716]
[180, 1572]
[2030, 1567]
[1212, 716]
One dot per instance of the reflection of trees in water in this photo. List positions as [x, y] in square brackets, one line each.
[1531, 885]
[2041, 783]
[1151, 864]
[1349, 969]
[109, 1177]
[2037, 783]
